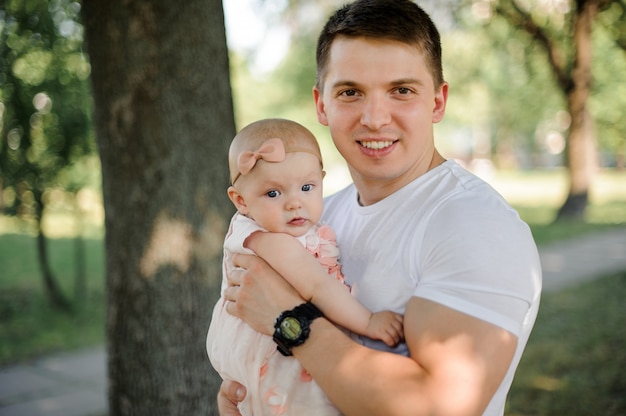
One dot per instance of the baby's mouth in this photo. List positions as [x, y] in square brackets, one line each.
[298, 221]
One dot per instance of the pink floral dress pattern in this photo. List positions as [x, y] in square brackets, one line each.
[276, 385]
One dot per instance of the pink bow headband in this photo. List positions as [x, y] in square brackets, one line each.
[272, 150]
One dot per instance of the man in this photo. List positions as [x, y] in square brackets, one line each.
[418, 234]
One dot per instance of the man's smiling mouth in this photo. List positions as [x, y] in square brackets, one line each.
[376, 144]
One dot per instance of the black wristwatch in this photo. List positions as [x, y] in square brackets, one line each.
[292, 327]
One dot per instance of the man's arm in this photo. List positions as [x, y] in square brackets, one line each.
[455, 366]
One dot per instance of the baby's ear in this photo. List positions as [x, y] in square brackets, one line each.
[237, 200]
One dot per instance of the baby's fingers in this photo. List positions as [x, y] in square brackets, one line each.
[398, 326]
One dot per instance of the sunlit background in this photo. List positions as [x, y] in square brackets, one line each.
[506, 120]
[504, 112]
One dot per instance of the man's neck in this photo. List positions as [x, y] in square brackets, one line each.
[372, 191]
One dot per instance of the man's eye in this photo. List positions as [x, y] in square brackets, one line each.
[404, 90]
[272, 194]
[349, 93]
[307, 187]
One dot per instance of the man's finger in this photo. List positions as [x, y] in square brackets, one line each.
[241, 260]
[233, 390]
[230, 394]
[234, 277]
[230, 293]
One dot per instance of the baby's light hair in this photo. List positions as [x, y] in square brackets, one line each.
[295, 138]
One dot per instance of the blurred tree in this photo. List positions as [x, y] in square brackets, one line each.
[164, 121]
[562, 31]
[44, 111]
[494, 90]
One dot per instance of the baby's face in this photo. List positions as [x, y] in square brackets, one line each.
[284, 197]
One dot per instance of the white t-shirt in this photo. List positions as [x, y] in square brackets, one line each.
[447, 237]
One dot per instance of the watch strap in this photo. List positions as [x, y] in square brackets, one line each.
[308, 310]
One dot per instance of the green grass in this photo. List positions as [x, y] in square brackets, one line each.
[28, 325]
[547, 233]
[576, 357]
[536, 195]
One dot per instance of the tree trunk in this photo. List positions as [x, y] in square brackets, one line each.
[51, 288]
[80, 271]
[164, 121]
[582, 158]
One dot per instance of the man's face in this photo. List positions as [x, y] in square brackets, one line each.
[380, 103]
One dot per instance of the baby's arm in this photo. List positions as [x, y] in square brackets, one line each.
[291, 260]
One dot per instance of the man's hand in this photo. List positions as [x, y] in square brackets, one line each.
[230, 394]
[257, 294]
[387, 327]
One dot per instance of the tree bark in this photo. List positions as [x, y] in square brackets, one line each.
[80, 272]
[51, 288]
[164, 120]
[582, 157]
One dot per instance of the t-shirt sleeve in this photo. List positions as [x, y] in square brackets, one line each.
[479, 258]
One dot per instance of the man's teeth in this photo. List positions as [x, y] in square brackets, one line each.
[376, 145]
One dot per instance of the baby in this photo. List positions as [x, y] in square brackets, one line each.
[276, 174]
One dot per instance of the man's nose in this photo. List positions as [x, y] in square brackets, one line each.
[375, 113]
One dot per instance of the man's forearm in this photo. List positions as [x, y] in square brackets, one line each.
[359, 380]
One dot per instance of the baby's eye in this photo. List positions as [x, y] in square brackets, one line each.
[272, 193]
[307, 187]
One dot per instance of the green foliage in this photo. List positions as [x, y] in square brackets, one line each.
[45, 100]
[543, 88]
[494, 91]
[609, 97]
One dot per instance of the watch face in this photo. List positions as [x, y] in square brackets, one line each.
[290, 328]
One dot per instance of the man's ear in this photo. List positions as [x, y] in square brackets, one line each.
[237, 200]
[319, 107]
[441, 99]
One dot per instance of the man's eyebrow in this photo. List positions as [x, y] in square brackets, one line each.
[400, 81]
[343, 84]
[405, 81]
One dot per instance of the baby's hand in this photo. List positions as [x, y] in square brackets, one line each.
[386, 326]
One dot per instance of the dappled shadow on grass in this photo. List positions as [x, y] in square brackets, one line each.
[576, 356]
[13, 302]
[30, 327]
